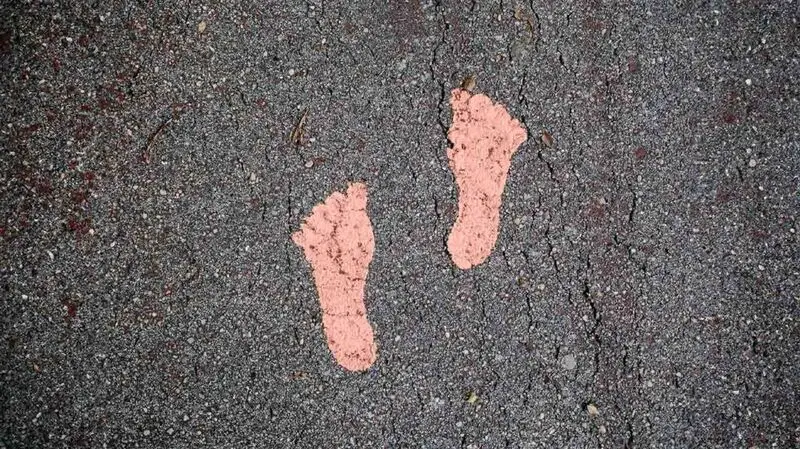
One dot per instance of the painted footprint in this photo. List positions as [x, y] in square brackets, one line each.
[483, 137]
[338, 242]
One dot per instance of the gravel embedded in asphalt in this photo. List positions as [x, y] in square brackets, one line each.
[151, 179]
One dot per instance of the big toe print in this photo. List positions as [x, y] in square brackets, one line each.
[338, 242]
[484, 137]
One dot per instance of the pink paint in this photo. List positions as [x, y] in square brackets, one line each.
[338, 243]
[484, 137]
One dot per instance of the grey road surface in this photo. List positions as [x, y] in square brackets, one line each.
[643, 292]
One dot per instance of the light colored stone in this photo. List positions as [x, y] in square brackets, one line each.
[568, 362]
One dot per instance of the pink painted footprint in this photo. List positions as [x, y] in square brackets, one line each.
[484, 137]
[338, 242]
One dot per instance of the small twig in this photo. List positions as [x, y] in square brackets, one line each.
[146, 153]
[296, 137]
[176, 109]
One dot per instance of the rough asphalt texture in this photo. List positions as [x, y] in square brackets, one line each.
[643, 291]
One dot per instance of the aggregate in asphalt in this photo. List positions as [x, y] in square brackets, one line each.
[644, 287]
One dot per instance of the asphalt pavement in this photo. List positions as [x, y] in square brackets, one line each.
[643, 291]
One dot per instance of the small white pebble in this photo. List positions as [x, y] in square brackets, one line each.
[185, 417]
[291, 72]
[309, 164]
[170, 431]
[752, 163]
[147, 432]
[748, 81]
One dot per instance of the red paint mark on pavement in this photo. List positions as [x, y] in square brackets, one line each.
[633, 64]
[79, 227]
[71, 308]
[484, 138]
[27, 131]
[729, 118]
[338, 242]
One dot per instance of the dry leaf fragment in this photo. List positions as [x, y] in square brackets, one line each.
[469, 83]
[522, 16]
[592, 410]
[201, 27]
[472, 398]
[547, 139]
[529, 23]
